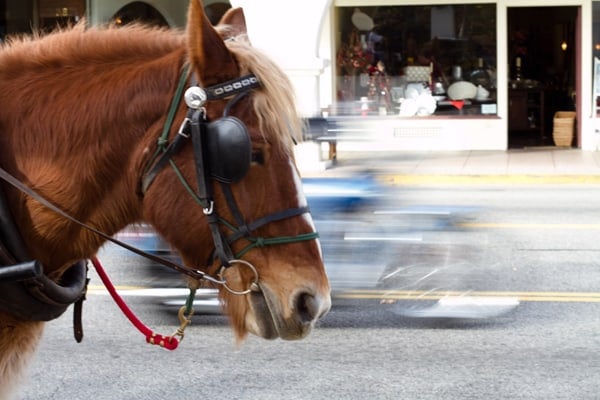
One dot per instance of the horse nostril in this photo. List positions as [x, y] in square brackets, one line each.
[307, 307]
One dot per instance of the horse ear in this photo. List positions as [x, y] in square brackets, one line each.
[208, 54]
[235, 21]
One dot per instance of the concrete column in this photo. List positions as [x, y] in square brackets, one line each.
[288, 31]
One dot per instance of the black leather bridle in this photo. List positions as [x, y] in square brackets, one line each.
[233, 138]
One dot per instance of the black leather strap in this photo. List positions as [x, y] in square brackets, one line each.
[198, 126]
[254, 225]
[25, 291]
[232, 87]
[205, 194]
[171, 150]
[10, 236]
[193, 273]
[41, 299]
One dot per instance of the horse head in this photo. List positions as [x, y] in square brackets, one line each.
[243, 122]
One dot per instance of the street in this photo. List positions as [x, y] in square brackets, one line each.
[536, 244]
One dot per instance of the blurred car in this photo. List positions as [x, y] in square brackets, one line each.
[370, 241]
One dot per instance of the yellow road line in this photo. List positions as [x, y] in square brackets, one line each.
[561, 297]
[512, 179]
[517, 225]
[581, 297]
[95, 289]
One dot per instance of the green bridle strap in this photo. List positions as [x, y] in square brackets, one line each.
[256, 242]
[163, 139]
[186, 185]
[189, 303]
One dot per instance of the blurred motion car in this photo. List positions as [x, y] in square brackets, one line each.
[371, 241]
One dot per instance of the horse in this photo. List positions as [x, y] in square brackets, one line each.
[93, 122]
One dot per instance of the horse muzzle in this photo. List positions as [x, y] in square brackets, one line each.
[288, 319]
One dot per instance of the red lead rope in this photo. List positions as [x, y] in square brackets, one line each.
[168, 342]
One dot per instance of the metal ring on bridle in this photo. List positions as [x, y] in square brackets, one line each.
[253, 286]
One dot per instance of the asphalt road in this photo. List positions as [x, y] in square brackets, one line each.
[534, 244]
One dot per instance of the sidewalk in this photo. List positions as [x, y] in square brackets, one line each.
[532, 165]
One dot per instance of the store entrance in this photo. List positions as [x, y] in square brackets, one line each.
[543, 62]
[139, 11]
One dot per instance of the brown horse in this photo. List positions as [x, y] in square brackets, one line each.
[80, 114]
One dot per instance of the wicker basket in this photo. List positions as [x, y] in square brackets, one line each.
[564, 124]
[417, 74]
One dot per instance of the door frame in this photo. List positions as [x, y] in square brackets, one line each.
[583, 60]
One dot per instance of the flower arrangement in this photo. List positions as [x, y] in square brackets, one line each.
[353, 58]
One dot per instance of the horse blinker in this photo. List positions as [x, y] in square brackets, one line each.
[229, 149]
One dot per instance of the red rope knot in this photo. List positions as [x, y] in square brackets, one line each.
[168, 342]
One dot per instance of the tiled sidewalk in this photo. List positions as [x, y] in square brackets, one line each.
[542, 161]
[546, 165]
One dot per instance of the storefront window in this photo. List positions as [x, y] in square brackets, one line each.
[15, 18]
[416, 60]
[19, 17]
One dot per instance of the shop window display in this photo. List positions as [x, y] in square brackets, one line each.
[416, 60]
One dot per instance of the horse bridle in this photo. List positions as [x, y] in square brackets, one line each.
[226, 134]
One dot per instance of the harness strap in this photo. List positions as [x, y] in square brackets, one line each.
[25, 291]
[150, 170]
[235, 210]
[232, 87]
[198, 128]
[14, 249]
[39, 298]
[193, 273]
[278, 216]
[162, 140]
[205, 195]
[244, 230]
[222, 249]
[163, 160]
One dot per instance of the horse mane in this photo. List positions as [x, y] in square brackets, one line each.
[79, 45]
[274, 103]
[72, 46]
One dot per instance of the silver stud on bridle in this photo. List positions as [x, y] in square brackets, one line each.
[195, 97]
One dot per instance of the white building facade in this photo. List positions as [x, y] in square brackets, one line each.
[355, 62]
[305, 37]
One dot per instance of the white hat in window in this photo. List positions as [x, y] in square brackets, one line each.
[362, 21]
[462, 90]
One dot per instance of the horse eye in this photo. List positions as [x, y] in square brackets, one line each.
[258, 157]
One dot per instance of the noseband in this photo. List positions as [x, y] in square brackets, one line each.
[222, 153]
